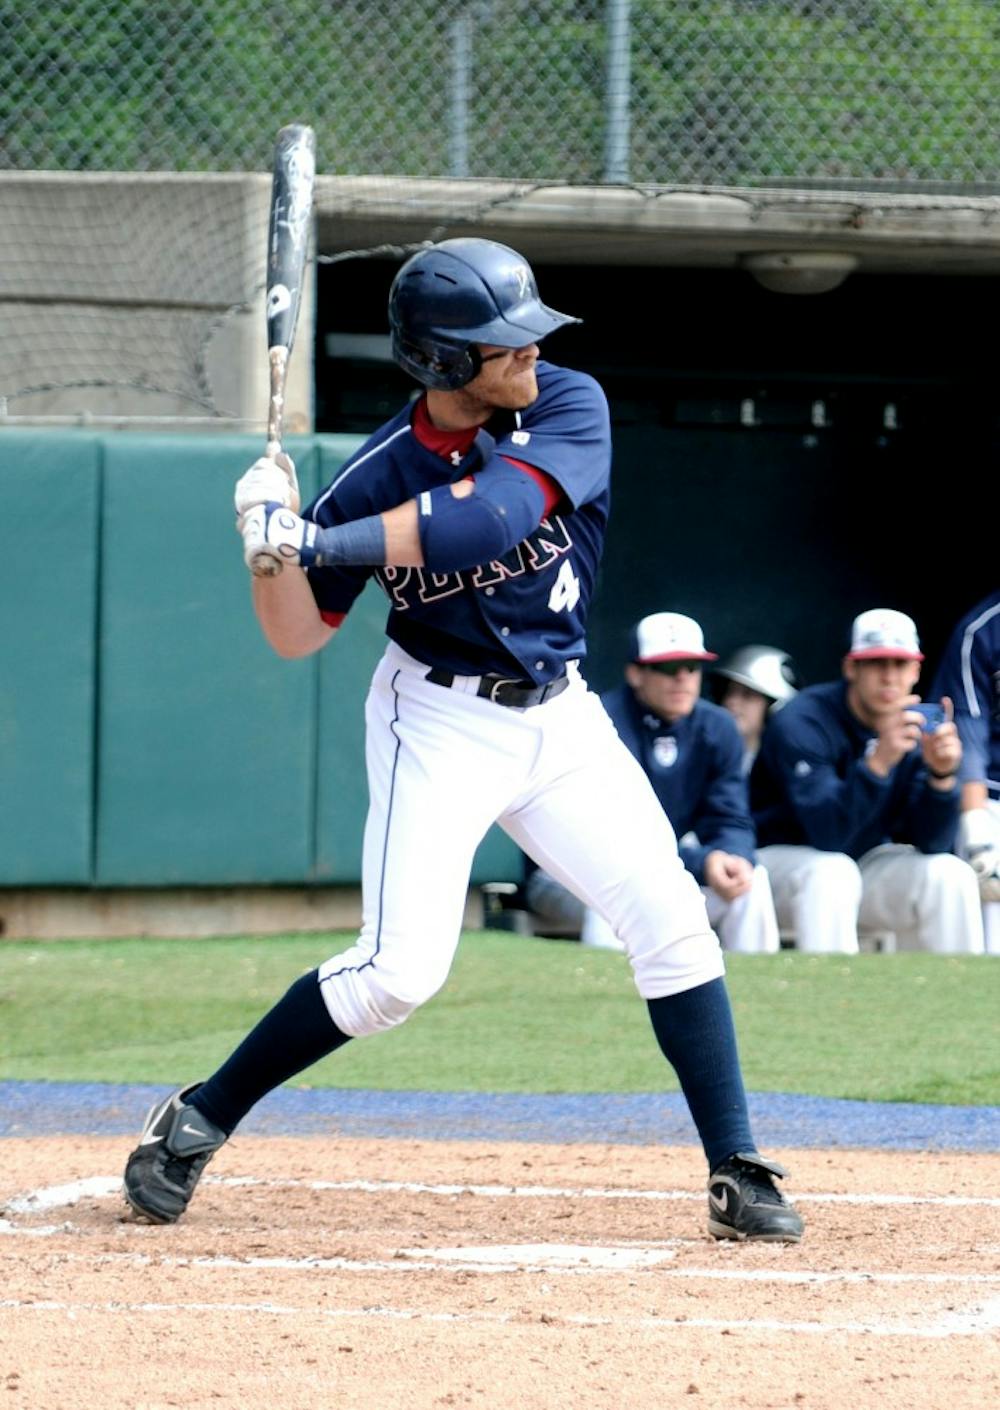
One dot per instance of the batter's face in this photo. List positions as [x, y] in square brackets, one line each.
[506, 379]
[877, 685]
[669, 689]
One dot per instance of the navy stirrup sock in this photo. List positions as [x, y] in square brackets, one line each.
[297, 1032]
[696, 1035]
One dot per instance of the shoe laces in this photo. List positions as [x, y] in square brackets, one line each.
[765, 1191]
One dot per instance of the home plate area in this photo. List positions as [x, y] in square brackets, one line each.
[312, 1272]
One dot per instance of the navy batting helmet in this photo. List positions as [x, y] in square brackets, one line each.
[449, 297]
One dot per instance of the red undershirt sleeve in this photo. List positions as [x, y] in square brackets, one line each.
[552, 491]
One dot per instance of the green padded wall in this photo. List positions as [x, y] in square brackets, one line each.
[206, 739]
[48, 585]
[148, 734]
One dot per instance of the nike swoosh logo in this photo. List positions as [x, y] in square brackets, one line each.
[721, 1202]
[193, 1131]
[148, 1139]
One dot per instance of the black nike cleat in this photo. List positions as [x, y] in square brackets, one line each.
[162, 1172]
[745, 1203]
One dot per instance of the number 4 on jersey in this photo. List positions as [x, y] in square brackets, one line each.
[565, 592]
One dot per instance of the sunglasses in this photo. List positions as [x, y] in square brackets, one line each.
[671, 668]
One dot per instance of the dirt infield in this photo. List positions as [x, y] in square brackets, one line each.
[369, 1275]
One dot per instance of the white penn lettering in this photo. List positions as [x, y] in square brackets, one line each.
[547, 544]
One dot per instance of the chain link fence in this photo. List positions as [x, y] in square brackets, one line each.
[137, 137]
[720, 92]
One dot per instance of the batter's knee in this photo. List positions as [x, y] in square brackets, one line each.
[670, 944]
[364, 1000]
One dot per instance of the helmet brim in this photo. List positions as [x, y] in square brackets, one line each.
[519, 327]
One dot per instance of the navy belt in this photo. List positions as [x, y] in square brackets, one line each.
[505, 690]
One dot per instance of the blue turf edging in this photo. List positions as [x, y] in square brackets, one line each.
[644, 1118]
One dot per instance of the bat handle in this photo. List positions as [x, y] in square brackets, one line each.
[265, 564]
[278, 367]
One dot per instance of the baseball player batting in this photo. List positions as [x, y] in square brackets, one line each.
[481, 511]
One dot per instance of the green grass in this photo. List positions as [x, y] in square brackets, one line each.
[517, 1015]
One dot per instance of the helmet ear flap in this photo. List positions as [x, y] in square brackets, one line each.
[436, 365]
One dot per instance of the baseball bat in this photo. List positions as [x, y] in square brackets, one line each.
[287, 249]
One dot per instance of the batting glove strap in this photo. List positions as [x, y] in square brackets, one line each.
[360, 543]
[278, 530]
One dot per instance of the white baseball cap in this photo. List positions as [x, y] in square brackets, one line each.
[669, 636]
[881, 632]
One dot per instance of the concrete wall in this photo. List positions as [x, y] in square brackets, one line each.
[141, 295]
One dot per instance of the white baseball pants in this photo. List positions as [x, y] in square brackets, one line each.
[443, 765]
[747, 924]
[927, 901]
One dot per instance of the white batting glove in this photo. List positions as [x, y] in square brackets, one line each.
[268, 481]
[278, 533]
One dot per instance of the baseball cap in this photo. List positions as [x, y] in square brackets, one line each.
[669, 636]
[882, 632]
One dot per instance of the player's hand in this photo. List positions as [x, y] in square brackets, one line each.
[268, 481]
[279, 533]
[979, 844]
[898, 734]
[942, 748]
[728, 876]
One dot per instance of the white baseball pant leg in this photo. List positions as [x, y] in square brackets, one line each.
[443, 765]
[590, 818]
[929, 900]
[817, 897]
[597, 933]
[747, 923]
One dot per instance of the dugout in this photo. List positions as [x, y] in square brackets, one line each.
[792, 445]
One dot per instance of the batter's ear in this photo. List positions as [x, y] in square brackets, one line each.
[633, 675]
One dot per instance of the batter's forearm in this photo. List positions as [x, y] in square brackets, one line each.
[402, 536]
[388, 539]
[288, 615]
[445, 529]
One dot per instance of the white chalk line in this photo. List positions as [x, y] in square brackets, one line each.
[548, 1259]
[977, 1321]
[555, 1260]
[103, 1186]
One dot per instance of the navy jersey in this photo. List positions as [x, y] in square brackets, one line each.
[810, 784]
[969, 674]
[696, 768]
[525, 614]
